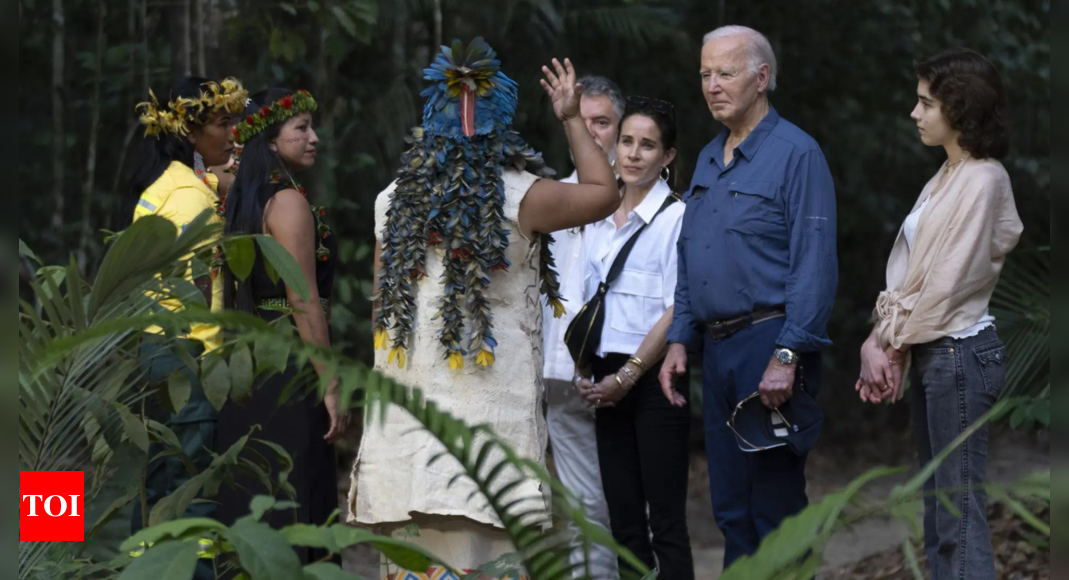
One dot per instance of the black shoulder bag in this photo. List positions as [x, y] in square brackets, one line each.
[583, 336]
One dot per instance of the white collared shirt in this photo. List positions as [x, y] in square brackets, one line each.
[646, 288]
[567, 249]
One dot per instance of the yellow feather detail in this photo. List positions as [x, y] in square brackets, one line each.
[398, 354]
[381, 338]
[558, 308]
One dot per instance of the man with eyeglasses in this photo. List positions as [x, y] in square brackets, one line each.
[758, 274]
[571, 425]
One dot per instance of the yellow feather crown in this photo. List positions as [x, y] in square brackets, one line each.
[176, 117]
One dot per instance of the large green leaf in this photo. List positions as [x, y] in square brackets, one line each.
[241, 374]
[215, 378]
[264, 553]
[26, 252]
[285, 265]
[176, 530]
[241, 257]
[336, 538]
[170, 561]
[148, 247]
[174, 506]
[135, 427]
[179, 390]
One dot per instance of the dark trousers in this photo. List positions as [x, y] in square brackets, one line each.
[752, 493]
[643, 447]
[955, 383]
[195, 426]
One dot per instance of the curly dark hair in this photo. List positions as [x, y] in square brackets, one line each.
[973, 97]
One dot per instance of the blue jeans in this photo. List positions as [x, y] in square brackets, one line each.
[955, 382]
[752, 493]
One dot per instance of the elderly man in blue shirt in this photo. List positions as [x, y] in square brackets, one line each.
[758, 273]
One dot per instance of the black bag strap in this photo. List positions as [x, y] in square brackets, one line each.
[621, 258]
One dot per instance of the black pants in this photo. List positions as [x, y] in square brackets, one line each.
[643, 445]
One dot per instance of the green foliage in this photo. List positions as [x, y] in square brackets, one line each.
[81, 383]
[26, 252]
[1021, 304]
[170, 561]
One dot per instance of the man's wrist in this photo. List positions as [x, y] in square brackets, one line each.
[786, 356]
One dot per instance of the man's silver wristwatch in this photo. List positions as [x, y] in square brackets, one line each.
[575, 380]
[786, 356]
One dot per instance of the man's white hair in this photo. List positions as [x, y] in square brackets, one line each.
[760, 49]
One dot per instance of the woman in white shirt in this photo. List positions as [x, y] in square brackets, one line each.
[934, 314]
[643, 440]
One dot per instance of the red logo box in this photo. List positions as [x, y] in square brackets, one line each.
[52, 506]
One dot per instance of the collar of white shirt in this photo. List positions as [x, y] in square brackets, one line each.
[647, 210]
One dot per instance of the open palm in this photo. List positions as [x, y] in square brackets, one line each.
[562, 89]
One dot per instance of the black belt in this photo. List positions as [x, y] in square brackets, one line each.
[721, 329]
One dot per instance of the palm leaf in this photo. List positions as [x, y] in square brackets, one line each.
[1021, 303]
[67, 404]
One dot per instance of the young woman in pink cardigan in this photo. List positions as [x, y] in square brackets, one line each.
[933, 318]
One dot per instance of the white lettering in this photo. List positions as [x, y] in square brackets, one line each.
[74, 506]
[33, 503]
[62, 502]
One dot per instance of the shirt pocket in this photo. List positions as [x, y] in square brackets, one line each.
[693, 201]
[638, 302]
[755, 210]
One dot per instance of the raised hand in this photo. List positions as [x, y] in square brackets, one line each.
[562, 89]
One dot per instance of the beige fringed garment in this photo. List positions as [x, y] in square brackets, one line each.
[945, 283]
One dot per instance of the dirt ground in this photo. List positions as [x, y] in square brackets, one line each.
[1013, 456]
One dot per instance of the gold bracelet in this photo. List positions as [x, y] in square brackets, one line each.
[630, 373]
[638, 363]
[620, 383]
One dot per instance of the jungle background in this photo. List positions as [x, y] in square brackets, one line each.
[846, 78]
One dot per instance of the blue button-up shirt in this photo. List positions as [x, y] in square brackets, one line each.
[759, 232]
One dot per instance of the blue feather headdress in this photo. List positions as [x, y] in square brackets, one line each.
[450, 196]
[469, 94]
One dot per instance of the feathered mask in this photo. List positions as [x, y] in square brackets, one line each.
[470, 95]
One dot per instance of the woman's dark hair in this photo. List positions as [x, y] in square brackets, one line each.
[973, 97]
[663, 114]
[155, 154]
[251, 191]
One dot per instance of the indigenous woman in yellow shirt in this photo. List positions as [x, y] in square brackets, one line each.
[194, 119]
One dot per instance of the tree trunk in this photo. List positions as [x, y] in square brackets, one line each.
[325, 178]
[437, 26]
[146, 56]
[181, 43]
[139, 92]
[94, 139]
[198, 29]
[59, 136]
[187, 37]
[131, 71]
[400, 22]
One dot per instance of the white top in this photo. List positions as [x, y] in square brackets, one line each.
[909, 229]
[646, 288]
[393, 477]
[567, 248]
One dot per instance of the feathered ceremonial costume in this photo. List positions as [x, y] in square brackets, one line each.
[450, 195]
[459, 282]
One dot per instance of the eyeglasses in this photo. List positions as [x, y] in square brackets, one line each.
[742, 440]
[648, 104]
